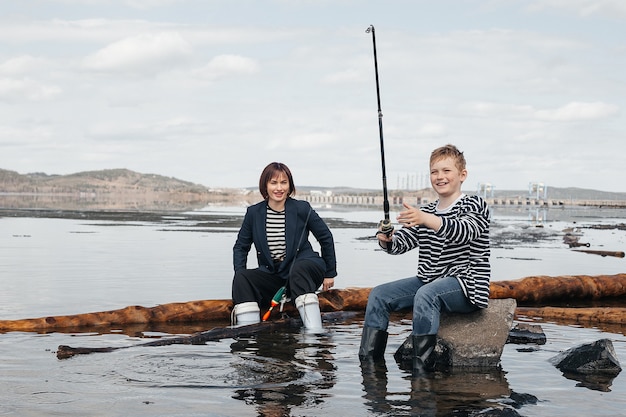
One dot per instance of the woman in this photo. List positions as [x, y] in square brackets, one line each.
[279, 227]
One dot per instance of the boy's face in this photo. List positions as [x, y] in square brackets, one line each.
[445, 177]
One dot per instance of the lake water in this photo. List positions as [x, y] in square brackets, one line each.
[56, 264]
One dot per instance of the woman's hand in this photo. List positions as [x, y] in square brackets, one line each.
[328, 284]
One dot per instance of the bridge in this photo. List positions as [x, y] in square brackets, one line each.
[425, 197]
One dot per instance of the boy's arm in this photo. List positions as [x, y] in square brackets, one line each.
[471, 224]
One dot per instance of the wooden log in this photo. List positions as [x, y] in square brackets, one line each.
[545, 289]
[204, 310]
[617, 254]
[350, 299]
[64, 352]
[526, 291]
[218, 333]
[577, 315]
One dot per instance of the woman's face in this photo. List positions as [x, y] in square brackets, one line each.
[278, 189]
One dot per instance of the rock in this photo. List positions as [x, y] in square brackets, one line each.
[472, 340]
[592, 358]
[524, 333]
[593, 365]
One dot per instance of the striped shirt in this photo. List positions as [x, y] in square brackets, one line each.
[460, 248]
[275, 229]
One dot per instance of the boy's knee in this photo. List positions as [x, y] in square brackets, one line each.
[374, 293]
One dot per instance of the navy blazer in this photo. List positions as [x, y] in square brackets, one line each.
[296, 211]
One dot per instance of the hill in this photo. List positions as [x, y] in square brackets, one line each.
[110, 189]
[109, 180]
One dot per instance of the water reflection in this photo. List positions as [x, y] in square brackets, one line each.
[281, 371]
[458, 392]
[595, 382]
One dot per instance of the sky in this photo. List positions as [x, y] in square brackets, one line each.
[211, 91]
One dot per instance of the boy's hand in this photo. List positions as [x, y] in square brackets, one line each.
[410, 217]
[413, 216]
[385, 231]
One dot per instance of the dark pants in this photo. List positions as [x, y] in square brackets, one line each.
[256, 285]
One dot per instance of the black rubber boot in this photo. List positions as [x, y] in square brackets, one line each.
[373, 344]
[423, 357]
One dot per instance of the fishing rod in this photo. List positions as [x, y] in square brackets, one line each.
[385, 224]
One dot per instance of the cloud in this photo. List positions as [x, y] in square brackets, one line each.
[347, 76]
[20, 89]
[22, 64]
[578, 111]
[432, 130]
[584, 8]
[151, 52]
[227, 65]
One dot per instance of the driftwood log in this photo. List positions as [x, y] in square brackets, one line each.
[218, 333]
[582, 315]
[530, 291]
[351, 299]
[199, 338]
[545, 289]
[603, 253]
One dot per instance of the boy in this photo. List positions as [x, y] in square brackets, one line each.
[452, 237]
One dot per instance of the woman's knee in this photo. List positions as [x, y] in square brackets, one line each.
[240, 276]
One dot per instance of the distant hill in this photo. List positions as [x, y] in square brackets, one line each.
[109, 189]
[108, 181]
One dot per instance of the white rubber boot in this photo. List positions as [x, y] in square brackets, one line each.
[246, 313]
[309, 308]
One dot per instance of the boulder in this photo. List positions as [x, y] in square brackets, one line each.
[473, 340]
[591, 358]
[592, 365]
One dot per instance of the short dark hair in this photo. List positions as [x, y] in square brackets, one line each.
[271, 171]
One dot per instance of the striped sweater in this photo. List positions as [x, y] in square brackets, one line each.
[275, 229]
[460, 248]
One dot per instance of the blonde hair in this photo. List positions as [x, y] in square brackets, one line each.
[448, 151]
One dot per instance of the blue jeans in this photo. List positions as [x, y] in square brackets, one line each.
[426, 300]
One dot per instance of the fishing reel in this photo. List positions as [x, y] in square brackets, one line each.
[385, 227]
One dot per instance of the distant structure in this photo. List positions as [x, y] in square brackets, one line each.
[412, 181]
[537, 191]
[485, 190]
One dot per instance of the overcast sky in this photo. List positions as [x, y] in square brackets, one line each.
[210, 91]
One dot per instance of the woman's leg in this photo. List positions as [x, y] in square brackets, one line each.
[305, 278]
[254, 285]
[443, 294]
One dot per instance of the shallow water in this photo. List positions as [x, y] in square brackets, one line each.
[52, 266]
